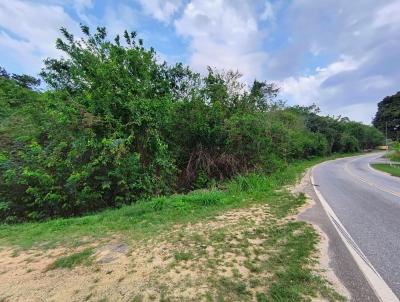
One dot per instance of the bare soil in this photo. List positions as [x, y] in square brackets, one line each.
[179, 265]
[217, 259]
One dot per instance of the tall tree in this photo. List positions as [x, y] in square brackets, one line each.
[26, 81]
[4, 73]
[388, 115]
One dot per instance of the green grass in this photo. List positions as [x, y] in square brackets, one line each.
[393, 156]
[293, 278]
[70, 261]
[149, 217]
[393, 170]
[287, 273]
[183, 256]
[232, 289]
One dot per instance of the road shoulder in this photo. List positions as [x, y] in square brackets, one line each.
[341, 269]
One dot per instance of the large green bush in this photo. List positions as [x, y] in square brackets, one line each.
[115, 125]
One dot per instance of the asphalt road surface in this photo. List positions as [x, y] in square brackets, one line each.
[367, 203]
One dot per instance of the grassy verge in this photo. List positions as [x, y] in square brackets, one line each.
[393, 156]
[253, 253]
[145, 218]
[393, 170]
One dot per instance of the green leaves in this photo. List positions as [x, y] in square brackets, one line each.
[117, 125]
[387, 117]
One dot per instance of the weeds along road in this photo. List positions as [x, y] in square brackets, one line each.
[366, 204]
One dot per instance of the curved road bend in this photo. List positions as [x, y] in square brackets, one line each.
[367, 202]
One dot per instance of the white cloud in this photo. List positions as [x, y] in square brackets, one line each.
[360, 112]
[82, 4]
[80, 7]
[368, 32]
[346, 88]
[388, 15]
[30, 30]
[162, 10]
[119, 18]
[268, 14]
[305, 90]
[356, 43]
[315, 49]
[223, 34]
[22, 51]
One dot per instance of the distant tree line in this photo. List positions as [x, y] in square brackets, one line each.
[23, 80]
[115, 125]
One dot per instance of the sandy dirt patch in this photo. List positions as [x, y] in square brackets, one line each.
[179, 265]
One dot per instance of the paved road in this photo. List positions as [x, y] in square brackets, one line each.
[367, 203]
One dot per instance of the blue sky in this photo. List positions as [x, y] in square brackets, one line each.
[342, 55]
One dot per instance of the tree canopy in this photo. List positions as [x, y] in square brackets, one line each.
[116, 125]
[388, 116]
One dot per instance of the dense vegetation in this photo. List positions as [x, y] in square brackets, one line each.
[115, 125]
[387, 117]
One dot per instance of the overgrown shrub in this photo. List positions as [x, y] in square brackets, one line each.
[115, 125]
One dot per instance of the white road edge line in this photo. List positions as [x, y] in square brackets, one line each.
[381, 172]
[346, 167]
[377, 171]
[379, 286]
